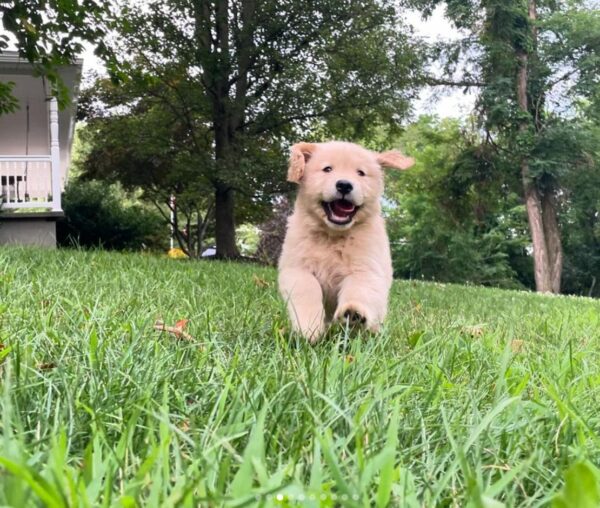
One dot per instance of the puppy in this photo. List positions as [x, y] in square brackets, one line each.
[335, 263]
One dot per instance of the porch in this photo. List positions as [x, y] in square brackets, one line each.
[35, 152]
[25, 181]
[33, 181]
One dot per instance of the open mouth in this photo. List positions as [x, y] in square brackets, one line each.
[340, 211]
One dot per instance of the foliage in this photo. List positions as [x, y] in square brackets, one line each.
[581, 487]
[450, 219]
[145, 145]
[50, 33]
[580, 220]
[457, 215]
[468, 397]
[96, 216]
[8, 103]
[248, 238]
[535, 65]
[244, 75]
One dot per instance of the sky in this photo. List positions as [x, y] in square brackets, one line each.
[448, 104]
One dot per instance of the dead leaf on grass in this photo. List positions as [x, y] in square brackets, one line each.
[474, 331]
[46, 366]
[177, 330]
[182, 324]
[517, 345]
[260, 282]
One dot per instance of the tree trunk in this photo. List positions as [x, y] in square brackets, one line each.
[224, 199]
[218, 85]
[541, 209]
[225, 224]
[541, 266]
[553, 241]
[221, 36]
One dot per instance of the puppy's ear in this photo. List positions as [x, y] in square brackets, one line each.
[394, 159]
[301, 153]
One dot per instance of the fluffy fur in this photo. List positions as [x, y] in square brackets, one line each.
[335, 263]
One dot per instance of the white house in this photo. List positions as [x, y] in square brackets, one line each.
[35, 152]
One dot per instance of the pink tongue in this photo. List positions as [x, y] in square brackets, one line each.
[342, 208]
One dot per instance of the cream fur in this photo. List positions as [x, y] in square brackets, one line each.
[328, 270]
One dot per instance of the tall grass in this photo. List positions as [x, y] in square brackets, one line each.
[469, 396]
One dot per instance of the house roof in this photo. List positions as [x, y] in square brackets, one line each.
[10, 60]
[11, 64]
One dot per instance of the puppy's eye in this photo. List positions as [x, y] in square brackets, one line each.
[361, 172]
[327, 169]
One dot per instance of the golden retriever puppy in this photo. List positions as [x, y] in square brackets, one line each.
[335, 263]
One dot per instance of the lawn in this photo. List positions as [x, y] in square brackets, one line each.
[468, 397]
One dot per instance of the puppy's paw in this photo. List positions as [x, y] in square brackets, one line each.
[356, 314]
[311, 332]
[313, 336]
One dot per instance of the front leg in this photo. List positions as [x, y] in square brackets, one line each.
[304, 297]
[363, 300]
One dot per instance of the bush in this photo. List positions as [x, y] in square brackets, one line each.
[96, 215]
[426, 246]
[452, 217]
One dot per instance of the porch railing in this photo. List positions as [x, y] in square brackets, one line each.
[33, 181]
[26, 181]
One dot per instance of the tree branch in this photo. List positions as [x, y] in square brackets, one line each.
[305, 116]
[463, 83]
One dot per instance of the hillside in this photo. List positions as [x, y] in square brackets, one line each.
[469, 395]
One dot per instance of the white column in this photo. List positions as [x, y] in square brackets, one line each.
[55, 156]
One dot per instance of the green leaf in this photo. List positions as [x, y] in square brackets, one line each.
[581, 488]
[254, 452]
[414, 338]
[334, 466]
[384, 491]
[488, 502]
[316, 470]
[39, 485]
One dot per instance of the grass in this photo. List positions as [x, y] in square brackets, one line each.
[469, 397]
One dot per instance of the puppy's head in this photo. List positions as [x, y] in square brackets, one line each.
[341, 183]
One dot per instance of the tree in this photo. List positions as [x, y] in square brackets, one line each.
[146, 149]
[450, 218]
[49, 33]
[135, 139]
[265, 68]
[580, 215]
[519, 54]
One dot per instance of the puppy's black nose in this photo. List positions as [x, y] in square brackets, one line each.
[344, 186]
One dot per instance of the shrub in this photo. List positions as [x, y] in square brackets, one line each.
[97, 215]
